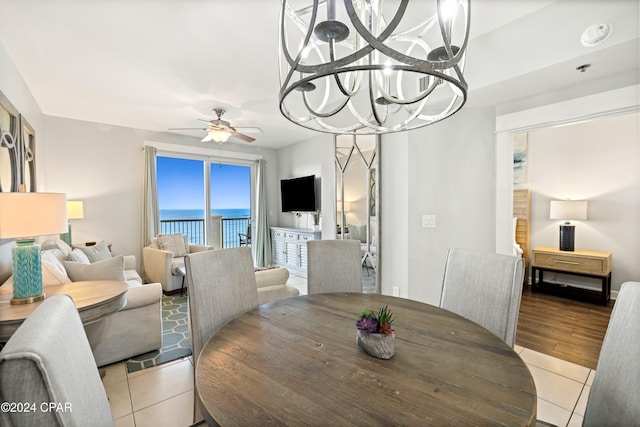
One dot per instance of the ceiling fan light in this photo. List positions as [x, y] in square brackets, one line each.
[220, 135]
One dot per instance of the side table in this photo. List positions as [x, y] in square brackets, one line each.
[579, 262]
[93, 299]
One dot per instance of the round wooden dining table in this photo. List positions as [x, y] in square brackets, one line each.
[295, 362]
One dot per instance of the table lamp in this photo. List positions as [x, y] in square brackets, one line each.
[24, 216]
[75, 210]
[568, 210]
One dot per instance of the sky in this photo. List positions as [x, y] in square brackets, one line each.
[181, 184]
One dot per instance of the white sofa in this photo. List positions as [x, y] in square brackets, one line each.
[272, 285]
[134, 329]
[160, 265]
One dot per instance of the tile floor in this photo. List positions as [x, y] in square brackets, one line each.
[163, 395]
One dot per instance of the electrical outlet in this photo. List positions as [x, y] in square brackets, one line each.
[428, 221]
[396, 291]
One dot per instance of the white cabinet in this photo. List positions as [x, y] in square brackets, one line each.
[289, 248]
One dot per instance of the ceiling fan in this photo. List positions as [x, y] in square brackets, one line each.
[220, 130]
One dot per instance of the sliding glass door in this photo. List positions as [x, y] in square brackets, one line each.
[189, 187]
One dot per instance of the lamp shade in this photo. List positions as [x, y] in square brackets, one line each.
[75, 209]
[568, 209]
[32, 214]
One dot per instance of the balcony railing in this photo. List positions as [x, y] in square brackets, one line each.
[194, 229]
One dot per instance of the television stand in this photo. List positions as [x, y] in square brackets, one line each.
[289, 248]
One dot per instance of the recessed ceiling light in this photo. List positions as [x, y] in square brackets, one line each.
[596, 34]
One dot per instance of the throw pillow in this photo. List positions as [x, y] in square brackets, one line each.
[53, 272]
[173, 243]
[109, 269]
[97, 252]
[77, 255]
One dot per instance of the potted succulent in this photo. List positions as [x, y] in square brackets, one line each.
[375, 335]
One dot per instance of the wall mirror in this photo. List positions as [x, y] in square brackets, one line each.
[357, 200]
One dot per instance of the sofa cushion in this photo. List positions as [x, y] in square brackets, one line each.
[97, 252]
[109, 269]
[77, 255]
[173, 243]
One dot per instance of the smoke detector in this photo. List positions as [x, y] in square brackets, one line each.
[596, 34]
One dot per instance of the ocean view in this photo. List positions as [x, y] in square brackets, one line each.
[199, 213]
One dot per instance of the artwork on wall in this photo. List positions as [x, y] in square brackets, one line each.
[520, 158]
[17, 150]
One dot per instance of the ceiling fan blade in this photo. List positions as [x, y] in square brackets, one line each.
[187, 129]
[243, 137]
[249, 129]
[207, 138]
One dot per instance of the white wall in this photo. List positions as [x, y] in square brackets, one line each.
[311, 157]
[595, 161]
[451, 174]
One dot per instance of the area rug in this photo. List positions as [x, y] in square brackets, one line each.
[175, 336]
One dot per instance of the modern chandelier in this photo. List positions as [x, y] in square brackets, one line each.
[372, 66]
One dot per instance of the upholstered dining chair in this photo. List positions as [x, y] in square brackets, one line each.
[613, 399]
[485, 288]
[333, 266]
[48, 361]
[222, 286]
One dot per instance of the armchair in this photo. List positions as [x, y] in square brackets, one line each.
[162, 258]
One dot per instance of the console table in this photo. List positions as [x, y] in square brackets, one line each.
[289, 248]
[579, 262]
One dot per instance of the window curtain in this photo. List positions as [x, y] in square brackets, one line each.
[261, 246]
[150, 212]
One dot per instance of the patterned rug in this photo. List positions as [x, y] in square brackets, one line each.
[175, 336]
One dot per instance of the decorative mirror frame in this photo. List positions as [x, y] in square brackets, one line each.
[19, 141]
[9, 146]
[365, 150]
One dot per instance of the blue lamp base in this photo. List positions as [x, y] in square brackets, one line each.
[27, 273]
[66, 237]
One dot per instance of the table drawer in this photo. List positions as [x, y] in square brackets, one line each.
[578, 264]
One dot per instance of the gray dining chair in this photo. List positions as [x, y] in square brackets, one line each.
[613, 399]
[485, 288]
[222, 286]
[48, 360]
[333, 266]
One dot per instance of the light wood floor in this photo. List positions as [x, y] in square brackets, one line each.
[564, 328]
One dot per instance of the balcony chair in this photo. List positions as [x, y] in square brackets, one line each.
[333, 266]
[485, 288]
[222, 286]
[245, 238]
[613, 399]
[49, 360]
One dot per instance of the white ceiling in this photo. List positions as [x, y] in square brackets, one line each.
[160, 64]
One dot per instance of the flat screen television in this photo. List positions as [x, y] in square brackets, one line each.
[298, 194]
